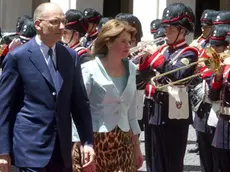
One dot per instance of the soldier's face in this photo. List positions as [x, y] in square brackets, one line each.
[69, 35]
[91, 27]
[174, 34]
[219, 49]
[206, 30]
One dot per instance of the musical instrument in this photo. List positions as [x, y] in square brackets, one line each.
[197, 92]
[137, 52]
[2, 47]
[212, 61]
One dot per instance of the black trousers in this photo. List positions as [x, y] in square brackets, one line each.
[148, 130]
[55, 164]
[167, 148]
[222, 159]
[149, 151]
[207, 152]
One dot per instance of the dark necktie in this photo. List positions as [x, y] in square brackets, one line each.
[50, 53]
[51, 66]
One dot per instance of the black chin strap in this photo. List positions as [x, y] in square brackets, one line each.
[176, 37]
[71, 37]
[92, 28]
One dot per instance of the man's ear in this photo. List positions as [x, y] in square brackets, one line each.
[77, 35]
[37, 24]
[183, 31]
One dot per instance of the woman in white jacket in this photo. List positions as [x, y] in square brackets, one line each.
[110, 82]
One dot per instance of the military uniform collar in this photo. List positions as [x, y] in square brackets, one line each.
[178, 44]
[93, 34]
[74, 46]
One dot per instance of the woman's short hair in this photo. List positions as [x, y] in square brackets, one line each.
[109, 32]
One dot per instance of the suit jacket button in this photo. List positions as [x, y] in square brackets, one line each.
[53, 93]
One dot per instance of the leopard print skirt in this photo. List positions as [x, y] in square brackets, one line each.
[114, 151]
[77, 157]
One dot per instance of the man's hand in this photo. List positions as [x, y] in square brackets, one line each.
[89, 156]
[220, 72]
[5, 163]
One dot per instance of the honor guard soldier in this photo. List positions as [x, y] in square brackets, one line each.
[227, 38]
[26, 32]
[102, 23]
[206, 27]
[94, 18]
[170, 109]
[20, 22]
[223, 17]
[200, 43]
[220, 92]
[75, 28]
[7, 39]
[154, 25]
[157, 31]
[205, 131]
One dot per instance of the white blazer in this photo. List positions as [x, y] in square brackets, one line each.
[108, 108]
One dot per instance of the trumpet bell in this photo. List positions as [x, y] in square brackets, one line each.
[211, 59]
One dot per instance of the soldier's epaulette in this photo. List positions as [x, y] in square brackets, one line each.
[82, 51]
[190, 48]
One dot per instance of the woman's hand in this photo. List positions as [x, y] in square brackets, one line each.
[138, 156]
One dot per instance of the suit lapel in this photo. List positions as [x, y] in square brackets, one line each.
[39, 62]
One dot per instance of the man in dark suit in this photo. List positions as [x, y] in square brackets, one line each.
[41, 85]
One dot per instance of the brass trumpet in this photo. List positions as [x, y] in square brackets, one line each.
[136, 52]
[213, 63]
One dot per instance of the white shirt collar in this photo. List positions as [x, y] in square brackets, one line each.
[44, 49]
